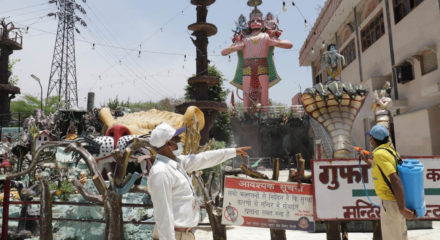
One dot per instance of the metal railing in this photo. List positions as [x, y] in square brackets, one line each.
[13, 119]
[11, 125]
[17, 38]
[253, 162]
[297, 111]
[6, 203]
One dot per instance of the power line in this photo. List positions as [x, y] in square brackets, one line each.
[18, 9]
[130, 70]
[37, 19]
[35, 35]
[80, 40]
[136, 50]
[34, 11]
[165, 24]
[299, 10]
[114, 83]
[134, 63]
[153, 34]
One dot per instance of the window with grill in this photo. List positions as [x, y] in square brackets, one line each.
[403, 7]
[349, 53]
[372, 31]
[428, 62]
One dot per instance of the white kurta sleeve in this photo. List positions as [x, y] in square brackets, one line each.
[161, 195]
[206, 159]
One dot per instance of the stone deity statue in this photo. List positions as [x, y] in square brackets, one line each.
[331, 64]
[256, 71]
[240, 29]
[380, 107]
[272, 26]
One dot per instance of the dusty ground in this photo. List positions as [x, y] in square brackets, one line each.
[242, 233]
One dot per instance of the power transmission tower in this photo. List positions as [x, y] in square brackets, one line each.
[62, 79]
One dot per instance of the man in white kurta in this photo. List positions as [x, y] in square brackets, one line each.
[176, 209]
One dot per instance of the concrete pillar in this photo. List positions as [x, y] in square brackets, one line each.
[90, 101]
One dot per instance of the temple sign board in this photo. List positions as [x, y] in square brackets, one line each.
[268, 204]
[339, 193]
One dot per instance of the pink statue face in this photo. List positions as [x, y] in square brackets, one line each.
[269, 17]
[255, 23]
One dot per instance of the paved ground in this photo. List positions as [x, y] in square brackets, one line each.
[244, 233]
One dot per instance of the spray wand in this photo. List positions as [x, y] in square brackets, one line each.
[361, 150]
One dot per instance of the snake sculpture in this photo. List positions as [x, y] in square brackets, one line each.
[335, 106]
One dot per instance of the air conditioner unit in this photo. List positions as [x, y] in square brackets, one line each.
[404, 72]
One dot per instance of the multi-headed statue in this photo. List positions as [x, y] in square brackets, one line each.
[256, 71]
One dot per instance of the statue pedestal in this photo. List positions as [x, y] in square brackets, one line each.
[209, 28]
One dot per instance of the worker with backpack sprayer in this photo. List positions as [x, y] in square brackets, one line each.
[388, 185]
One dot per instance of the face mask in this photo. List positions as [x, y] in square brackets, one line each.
[179, 149]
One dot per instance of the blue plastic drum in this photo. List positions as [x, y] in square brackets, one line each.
[411, 174]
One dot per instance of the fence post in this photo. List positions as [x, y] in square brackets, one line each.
[6, 209]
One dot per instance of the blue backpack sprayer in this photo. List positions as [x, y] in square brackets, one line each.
[410, 172]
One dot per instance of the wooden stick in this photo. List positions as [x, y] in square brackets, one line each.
[86, 195]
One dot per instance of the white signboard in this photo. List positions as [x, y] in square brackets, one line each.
[268, 204]
[339, 193]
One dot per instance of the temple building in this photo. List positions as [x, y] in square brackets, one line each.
[386, 40]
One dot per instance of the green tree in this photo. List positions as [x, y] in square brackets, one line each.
[166, 104]
[143, 106]
[13, 79]
[221, 130]
[215, 93]
[115, 104]
[205, 175]
[27, 104]
[169, 104]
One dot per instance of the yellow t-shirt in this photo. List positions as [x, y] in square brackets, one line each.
[387, 163]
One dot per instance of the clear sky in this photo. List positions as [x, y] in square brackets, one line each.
[119, 28]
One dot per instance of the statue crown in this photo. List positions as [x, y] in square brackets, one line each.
[256, 13]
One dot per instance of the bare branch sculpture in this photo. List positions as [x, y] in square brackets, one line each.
[214, 212]
[108, 196]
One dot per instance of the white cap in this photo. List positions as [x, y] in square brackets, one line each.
[163, 133]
